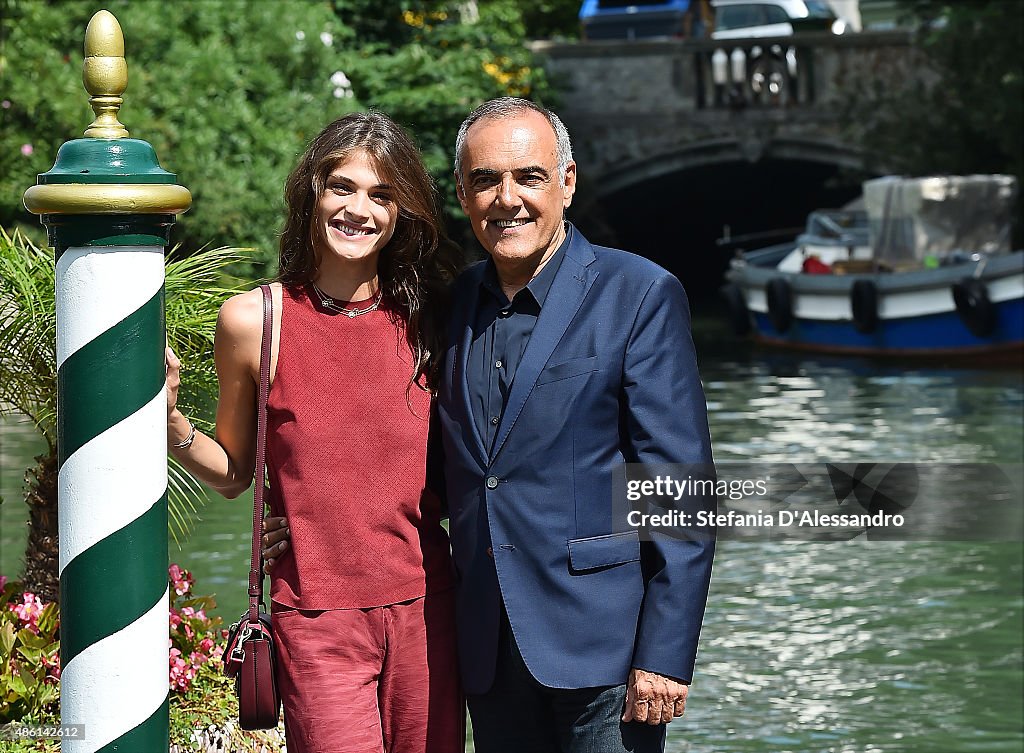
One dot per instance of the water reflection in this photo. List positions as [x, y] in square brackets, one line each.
[858, 645]
[855, 646]
[876, 646]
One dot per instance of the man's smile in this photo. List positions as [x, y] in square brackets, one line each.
[509, 224]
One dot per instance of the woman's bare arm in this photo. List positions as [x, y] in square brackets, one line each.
[226, 462]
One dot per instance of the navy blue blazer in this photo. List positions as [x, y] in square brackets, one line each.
[609, 376]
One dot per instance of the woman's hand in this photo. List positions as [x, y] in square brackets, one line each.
[173, 379]
[178, 427]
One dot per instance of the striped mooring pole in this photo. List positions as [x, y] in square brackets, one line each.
[108, 208]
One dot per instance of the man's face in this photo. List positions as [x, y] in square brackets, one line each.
[510, 188]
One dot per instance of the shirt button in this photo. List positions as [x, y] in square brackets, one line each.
[494, 420]
[492, 482]
[497, 364]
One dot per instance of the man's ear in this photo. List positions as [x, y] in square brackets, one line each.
[569, 189]
[460, 192]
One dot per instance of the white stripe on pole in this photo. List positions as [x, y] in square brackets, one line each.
[117, 476]
[109, 283]
[130, 691]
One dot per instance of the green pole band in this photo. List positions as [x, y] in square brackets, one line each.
[120, 371]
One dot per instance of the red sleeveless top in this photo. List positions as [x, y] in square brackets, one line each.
[346, 457]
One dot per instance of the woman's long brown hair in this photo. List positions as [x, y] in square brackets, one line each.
[419, 261]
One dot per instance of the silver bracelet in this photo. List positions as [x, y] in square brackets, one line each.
[187, 441]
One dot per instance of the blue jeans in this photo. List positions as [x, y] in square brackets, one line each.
[519, 715]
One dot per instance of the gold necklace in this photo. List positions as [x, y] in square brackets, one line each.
[329, 303]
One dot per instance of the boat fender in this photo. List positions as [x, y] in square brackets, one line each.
[975, 308]
[739, 314]
[780, 303]
[864, 304]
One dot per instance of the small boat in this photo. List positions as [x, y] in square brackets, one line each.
[922, 267]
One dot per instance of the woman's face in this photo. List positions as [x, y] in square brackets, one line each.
[356, 215]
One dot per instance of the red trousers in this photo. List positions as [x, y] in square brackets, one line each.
[381, 680]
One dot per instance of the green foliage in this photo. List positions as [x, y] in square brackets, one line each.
[432, 68]
[29, 655]
[229, 92]
[29, 669]
[28, 333]
[968, 118]
[201, 695]
[224, 91]
[194, 289]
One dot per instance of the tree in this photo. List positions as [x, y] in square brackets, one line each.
[965, 118]
[28, 377]
[230, 91]
[227, 92]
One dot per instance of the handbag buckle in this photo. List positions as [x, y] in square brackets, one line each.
[237, 653]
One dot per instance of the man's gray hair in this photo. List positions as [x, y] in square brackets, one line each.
[506, 107]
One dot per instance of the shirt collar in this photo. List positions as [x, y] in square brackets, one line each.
[540, 285]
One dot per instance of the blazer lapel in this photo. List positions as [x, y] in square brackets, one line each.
[568, 289]
[462, 317]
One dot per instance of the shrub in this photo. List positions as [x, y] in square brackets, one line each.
[29, 654]
[193, 641]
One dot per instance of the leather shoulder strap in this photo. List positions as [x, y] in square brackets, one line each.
[256, 566]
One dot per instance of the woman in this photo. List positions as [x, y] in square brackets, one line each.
[362, 602]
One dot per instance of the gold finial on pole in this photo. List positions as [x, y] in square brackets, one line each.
[105, 74]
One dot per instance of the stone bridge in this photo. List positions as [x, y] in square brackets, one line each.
[652, 119]
[640, 109]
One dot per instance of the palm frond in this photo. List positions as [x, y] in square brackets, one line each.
[184, 497]
[194, 286]
[28, 333]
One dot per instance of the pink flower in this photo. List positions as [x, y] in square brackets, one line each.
[27, 149]
[182, 580]
[3, 578]
[206, 645]
[28, 611]
[6, 104]
[180, 675]
[175, 617]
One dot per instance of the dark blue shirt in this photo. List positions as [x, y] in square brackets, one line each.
[501, 330]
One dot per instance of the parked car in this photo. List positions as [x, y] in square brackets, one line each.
[743, 19]
[632, 19]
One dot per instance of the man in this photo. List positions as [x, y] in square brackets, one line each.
[564, 361]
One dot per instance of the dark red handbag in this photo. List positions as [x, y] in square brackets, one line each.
[249, 656]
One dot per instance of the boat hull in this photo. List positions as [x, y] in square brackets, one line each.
[916, 312]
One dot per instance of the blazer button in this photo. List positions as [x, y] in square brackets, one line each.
[492, 482]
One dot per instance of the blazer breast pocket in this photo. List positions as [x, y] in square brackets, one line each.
[567, 369]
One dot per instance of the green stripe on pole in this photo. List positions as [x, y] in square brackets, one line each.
[121, 370]
[152, 734]
[114, 582]
[72, 230]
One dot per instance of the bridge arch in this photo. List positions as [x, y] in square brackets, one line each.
[711, 152]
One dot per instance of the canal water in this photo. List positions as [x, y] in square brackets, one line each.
[859, 646]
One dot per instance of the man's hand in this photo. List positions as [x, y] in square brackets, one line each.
[652, 698]
[275, 540]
